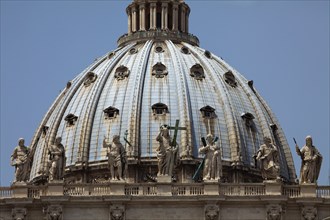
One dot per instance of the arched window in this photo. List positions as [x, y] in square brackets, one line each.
[208, 112]
[90, 78]
[121, 72]
[159, 70]
[70, 119]
[111, 112]
[197, 72]
[230, 79]
[159, 109]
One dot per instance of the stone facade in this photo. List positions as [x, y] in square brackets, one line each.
[209, 201]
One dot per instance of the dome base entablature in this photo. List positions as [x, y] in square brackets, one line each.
[157, 35]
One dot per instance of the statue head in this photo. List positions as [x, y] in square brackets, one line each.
[58, 140]
[116, 139]
[165, 131]
[21, 142]
[267, 140]
[209, 138]
[309, 141]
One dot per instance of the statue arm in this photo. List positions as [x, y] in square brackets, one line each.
[259, 155]
[203, 149]
[317, 154]
[298, 151]
[13, 157]
[105, 143]
[158, 138]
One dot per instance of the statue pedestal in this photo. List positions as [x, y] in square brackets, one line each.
[164, 186]
[20, 190]
[211, 187]
[117, 188]
[55, 188]
[308, 190]
[164, 179]
[273, 187]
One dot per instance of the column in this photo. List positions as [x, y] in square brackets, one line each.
[187, 21]
[129, 21]
[175, 16]
[153, 16]
[164, 16]
[142, 17]
[134, 19]
[183, 18]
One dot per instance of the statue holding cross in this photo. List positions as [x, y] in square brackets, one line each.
[167, 151]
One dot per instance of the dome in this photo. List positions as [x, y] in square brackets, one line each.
[159, 75]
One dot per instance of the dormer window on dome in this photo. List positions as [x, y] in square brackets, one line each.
[121, 73]
[111, 112]
[197, 72]
[208, 54]
[185, 50]
[44, 130]
[133, 51]
[273, 127]
[230, 79]
[159, 49]
[159, 70]
[70, 119]
[159, 109]
[248, 118]
[208, 112]
[110, 55]
[90, 78]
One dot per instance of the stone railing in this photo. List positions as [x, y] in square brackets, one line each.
[323, 191]
[187, 190]
[242, 189]
[291, 191]
[6, 192]
[36, 191]
[165, 189]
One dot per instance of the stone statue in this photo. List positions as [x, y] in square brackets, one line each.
[166, 153]
[311, 162]
[269, 159]
[21, 161]
[116, 157]
[212, 161]
[56, 163]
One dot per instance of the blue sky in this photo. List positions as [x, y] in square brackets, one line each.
[282, 45]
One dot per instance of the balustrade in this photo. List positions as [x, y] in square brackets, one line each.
[153, 189]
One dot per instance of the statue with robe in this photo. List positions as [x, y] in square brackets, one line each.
[56, 153]
[311, 161]
[166, 153]
[212, 159]
[20, 160]
[116, 154]
[268, 156]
